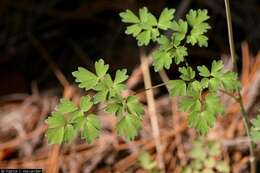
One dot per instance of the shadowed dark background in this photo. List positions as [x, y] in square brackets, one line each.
[76, 33]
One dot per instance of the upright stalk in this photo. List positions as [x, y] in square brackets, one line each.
[239, 99]
[230, 35]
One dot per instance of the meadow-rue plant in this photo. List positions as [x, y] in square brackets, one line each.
[199, 87]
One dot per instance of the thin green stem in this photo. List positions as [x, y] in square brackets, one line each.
[239, 99]
[153, 87]
[230, 35]
[247, 127]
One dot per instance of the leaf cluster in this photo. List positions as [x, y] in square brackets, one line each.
[200, 97]
[255, 129]
[147, 163]
[68, 119]
[205, 158]
[146, 28]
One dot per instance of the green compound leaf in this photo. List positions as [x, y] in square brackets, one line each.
[91, 128]
[128, 126]
[85, 103]
[121, 106]
[144, 28]
[228, 80]
[196, 19]
[187, 74]
[255, 129]
[117, 106]
[85, 78]
[166, 52]
[101, 68]
[177, 87]
[165, 18]
[66, 106]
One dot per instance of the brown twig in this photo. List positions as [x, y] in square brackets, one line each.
[152, 111]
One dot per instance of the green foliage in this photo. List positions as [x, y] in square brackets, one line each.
[200, 98]
[205, 158]
[146, 28]
[147, 163]
[177, 87]
[255, 129]
[196, 19]
[68, 119]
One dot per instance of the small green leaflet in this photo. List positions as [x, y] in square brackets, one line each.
[203, 71]
[91, 128]
[167, 51]
[212, 104]
[107, 88]
[101, 68]
[85, 103]
[196, 19]
[134, 107]
[201, 121]
[162, 59]
[55, 131]
[85, 78]
[129, 17]
[144, 28]
[180, 27]
[187, 74]
[190, 104]
[217, 78]
[89, 80]
[128, 126]
[165, 18]
[67, 119]
[103, 88]
[177, 87]
[255, 129]
[66, 106]
[146, 161]
[58, 129]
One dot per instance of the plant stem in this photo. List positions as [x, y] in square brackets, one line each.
[239, 99]
[230, 35]
[152, 112]
[247, 127]
[153, 87]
